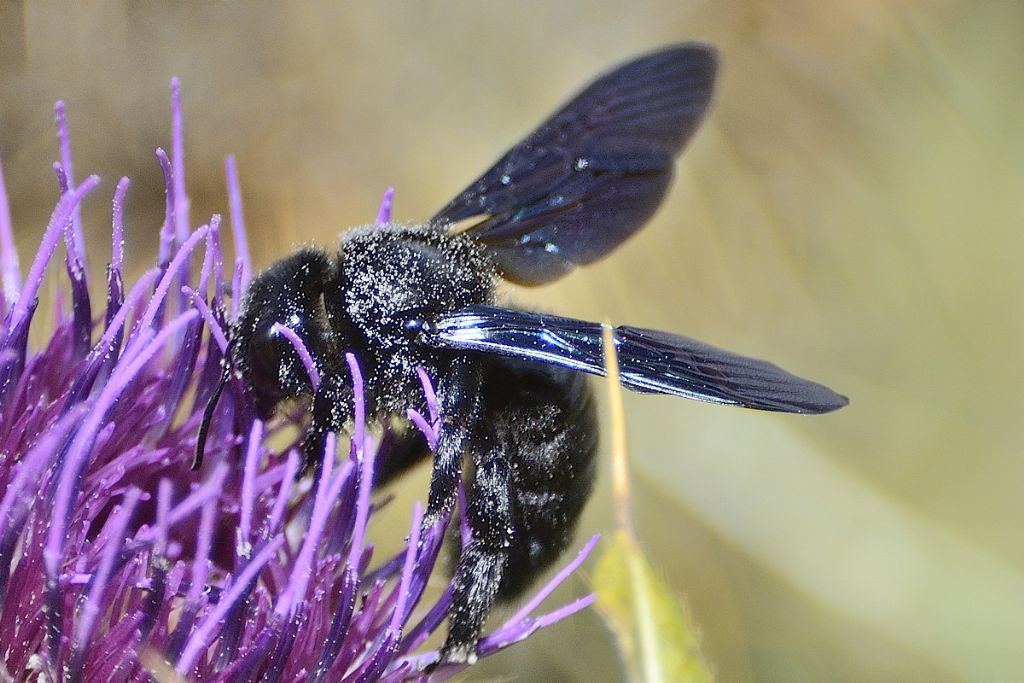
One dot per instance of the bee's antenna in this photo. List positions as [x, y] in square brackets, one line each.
[227, 366]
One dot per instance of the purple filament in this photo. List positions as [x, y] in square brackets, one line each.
[238, 223]
[554, 583]
[10, 274]
[165, 282]
[53, 233]
[300, 348]
[252, 456]
[117, 239]
[163, 507]
[359, 433]
[167, 228]
[79, 453]
[204, 633]
[384, 213]
[181, 200]
[114, 530]
[204, 311]
[76, 244]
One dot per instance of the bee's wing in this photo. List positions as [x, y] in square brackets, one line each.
[649, 361]
[594, 172]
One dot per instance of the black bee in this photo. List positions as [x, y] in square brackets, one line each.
[514, 403]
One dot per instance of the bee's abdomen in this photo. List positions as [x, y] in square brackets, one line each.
[543, 421]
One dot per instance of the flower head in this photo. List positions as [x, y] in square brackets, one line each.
[117, 561]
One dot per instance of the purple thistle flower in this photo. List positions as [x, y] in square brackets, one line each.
[115, 559]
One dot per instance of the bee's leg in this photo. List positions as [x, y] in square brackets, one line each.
[483, 562]
[331, 407]
[459, 398]
[535, 454]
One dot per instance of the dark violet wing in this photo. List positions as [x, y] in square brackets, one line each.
[594, 172]
[649, 361]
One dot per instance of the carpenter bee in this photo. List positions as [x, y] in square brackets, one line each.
[514, 401]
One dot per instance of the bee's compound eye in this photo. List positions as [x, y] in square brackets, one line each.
[266, 353]
[264, 362]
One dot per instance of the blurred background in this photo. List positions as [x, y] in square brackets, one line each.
[852, 210]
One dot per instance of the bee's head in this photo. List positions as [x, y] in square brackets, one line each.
[283, 311]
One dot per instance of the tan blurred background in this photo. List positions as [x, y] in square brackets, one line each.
[853, 210]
